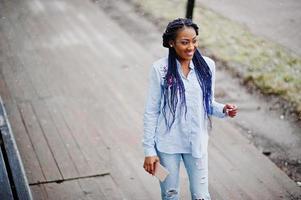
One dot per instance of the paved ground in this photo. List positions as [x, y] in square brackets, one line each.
[279, 21]
[74, 84]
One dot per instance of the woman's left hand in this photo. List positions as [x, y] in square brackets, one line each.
[230, 110]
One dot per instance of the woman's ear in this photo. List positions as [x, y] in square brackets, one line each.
[171, 43]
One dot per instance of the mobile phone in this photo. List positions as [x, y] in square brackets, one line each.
[160, 172]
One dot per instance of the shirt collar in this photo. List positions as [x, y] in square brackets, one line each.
[191, 65]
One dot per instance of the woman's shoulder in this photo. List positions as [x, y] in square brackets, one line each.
[209, 62]
[162, 62]
[161, 65]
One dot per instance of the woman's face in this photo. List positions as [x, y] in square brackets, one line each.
[185, 43]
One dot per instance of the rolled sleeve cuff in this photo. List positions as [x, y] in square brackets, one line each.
[218, 110]
[150, 152]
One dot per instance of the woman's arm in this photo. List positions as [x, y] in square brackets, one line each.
[218, 109]
[151, 113]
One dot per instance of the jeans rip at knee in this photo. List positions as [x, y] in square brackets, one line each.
[171, 193]
[199, 163]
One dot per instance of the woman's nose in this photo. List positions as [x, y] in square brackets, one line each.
[191, 46]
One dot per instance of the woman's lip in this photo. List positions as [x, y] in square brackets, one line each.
[190, 53]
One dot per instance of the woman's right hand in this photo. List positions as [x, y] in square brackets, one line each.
[150, 163]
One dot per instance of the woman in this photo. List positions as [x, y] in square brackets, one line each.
[178, 110]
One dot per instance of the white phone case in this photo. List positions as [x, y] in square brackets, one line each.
[161, 172]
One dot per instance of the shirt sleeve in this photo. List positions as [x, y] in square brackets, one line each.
[217, 108]
[151, 113]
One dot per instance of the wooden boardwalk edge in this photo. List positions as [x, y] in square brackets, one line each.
[14, 160]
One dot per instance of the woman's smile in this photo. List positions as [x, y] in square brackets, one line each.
[190, 53]
[185, 43]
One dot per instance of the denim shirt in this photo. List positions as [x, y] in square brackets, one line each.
[188, 134]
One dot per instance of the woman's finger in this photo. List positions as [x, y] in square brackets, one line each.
[151, 166]
[231, 114]
[147, 169]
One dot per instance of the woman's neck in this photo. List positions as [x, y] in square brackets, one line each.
[185, 64]
[185, 67]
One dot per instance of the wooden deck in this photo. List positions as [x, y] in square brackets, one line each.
[74, 85]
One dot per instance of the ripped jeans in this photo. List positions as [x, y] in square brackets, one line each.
[197, 170]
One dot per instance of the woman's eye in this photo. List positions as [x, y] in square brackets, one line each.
[184, 42]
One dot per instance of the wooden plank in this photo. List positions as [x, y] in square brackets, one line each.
[19, 180]
[34, 73]
[97, 146]
[214, 191]
[14, 164]
[128, 175]
[125, 168]
[109, 188]
[224, 179]
[94, 188]
[29, 158]
[39, 192]
[109, 129]
[121, 130]
[5, 190]
[78, 122]
[68, 190]
[14, 72]
[102, 121]
[260, 178]
[3, 41]
[77, 156]
[76, 86]
[4, 92]
[39, 142]
[34, 28]
[16, 79]
[56, 142]
[91, 188]
[234, 172]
